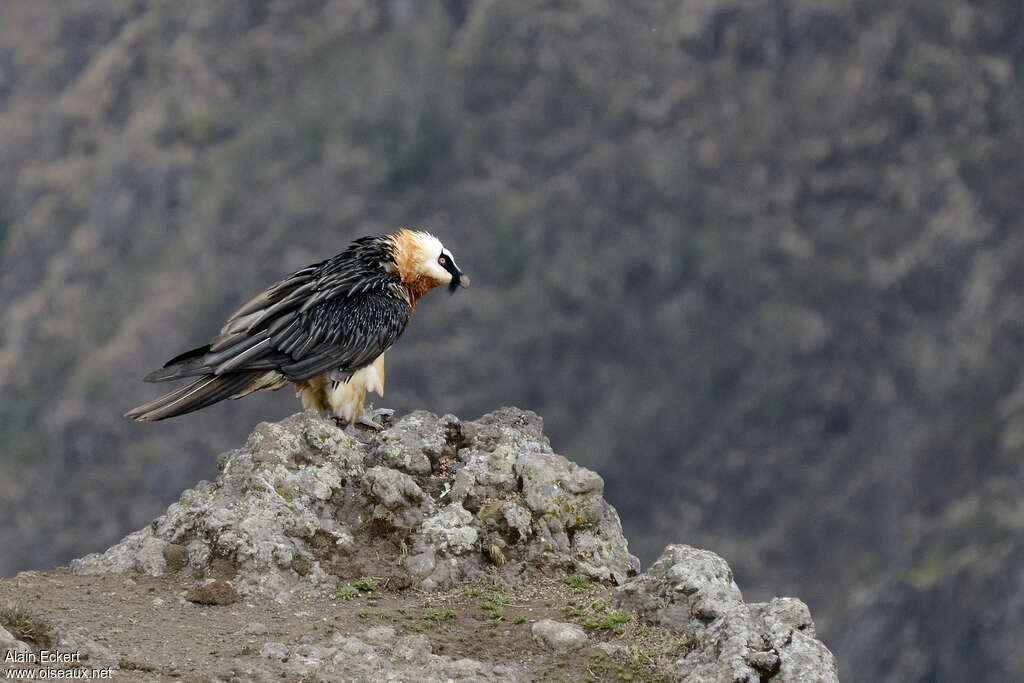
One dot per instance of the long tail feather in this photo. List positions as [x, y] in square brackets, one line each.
[185, 364]
[203, 392]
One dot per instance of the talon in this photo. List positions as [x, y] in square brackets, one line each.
[367, 419]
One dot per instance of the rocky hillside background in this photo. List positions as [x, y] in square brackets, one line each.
[758, 263]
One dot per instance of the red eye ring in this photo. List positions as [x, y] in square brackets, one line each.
[442, 260]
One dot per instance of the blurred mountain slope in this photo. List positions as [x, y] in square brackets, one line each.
[758, 263]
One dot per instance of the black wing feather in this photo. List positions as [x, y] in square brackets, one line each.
[346, 334]
[338, 314]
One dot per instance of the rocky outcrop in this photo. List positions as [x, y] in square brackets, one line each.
[426, 503]
[693, 591]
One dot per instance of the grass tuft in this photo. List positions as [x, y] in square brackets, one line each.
[578, 583]
[25, 626]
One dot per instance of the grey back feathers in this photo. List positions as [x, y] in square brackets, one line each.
[339, 314]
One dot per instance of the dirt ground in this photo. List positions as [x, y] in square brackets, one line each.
[152, 633]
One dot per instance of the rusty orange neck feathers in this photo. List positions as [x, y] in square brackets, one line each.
[412, 251]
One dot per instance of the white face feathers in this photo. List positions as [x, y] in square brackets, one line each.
[430, 259]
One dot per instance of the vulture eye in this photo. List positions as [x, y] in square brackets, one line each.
[442, 260]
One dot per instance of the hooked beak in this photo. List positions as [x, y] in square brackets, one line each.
[458, 280]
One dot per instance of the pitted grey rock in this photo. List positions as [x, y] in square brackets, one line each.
[692, 591]
[559, 635]
[427, 502]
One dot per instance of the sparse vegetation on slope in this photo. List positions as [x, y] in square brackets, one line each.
[749, 259]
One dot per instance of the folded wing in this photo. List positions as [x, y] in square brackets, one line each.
[336, 315]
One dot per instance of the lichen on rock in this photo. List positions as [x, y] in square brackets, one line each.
[425, 503]
[692, 591]
[429, 503]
